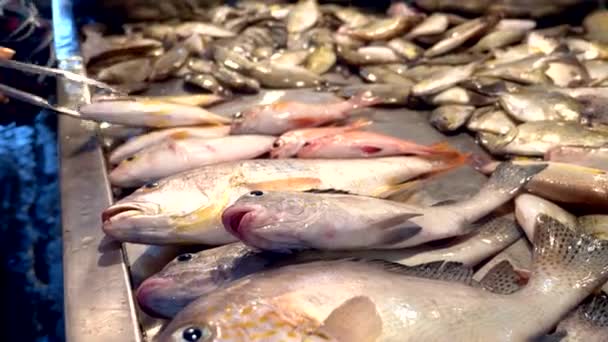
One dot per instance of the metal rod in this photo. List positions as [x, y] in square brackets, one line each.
[35, 100]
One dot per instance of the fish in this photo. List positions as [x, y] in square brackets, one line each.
[231, 58]
[176, 154]
[349, 16]
[236, 81]
[321, 59]
[528, 207]
[515, 24]
[283, 221]
[282, 116]
[405, 49]
[151, 214]
[434, 24]
[527, 70]
[574, 264]
[188, 28]
[289, 143]
[492, 120]
[595, 26]
[498, 39]
[443, 81]
[587, 322]
[528, 105]
[281, 76]
[303, 16]
[289, 57]
[383, 29]
[567, 71]
[449, 118]
[169, 62]
[140, 142]
[586, 50]
[537, 137]
[149, 112]
[542, 43]
[382, 74]
[592, 157]
[490, 86]
[131, 71]
[385, 94]
[193, 275]
[458, 35]
[367, 55]
[460, 96]
[207, 82]
[597, 71]
[365, 144]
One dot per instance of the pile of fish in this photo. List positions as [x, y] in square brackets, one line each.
[296, 197]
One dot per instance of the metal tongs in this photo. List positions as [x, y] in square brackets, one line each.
[40, 70]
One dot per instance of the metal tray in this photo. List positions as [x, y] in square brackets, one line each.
[100, 274]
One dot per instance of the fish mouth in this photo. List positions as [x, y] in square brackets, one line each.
[146, 291]
[119, 211]
[237, 220]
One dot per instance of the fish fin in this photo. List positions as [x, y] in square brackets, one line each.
[444, 202]
[357, 319]
[443, 147]
[390, 190]
[447, 164]
[180, 135]
[502, 279]
[555, 337]
[510, 177]
[438, 270]
[295, 184]
[562, 252]
[328, 191]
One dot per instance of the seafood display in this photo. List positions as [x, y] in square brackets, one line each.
[266, 141]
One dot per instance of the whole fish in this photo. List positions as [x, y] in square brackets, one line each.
[491, 120]
[363, 144]
[527, 70]
[497, 39]
[385, 94]
[593, 157]
[460, 96]
[366, 56]
[303, 16]
[449, 118]
[588, 322]
[288, 144]
[458, 35]
[434, 24]
[193, 275]
[281, 76]
[138, 143]
[177, 154]
[280, 117]
[287, 220]
[490, 86]
[153, 215]
[149, 112]
[572, 264]
[384, 29]
[527, 105]
[443, 81]
[538, 137]
[321, 59]
[405, 49]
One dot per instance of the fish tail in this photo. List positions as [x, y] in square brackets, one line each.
[569, 258]
[449, 163]
[443, 148]
[509, 177]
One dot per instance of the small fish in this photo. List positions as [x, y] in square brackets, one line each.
[449, 118]
[350, 16]
[363, 144]
[236, 81]
[288, 144]
[515, 24]
[186, 208]
[573, 263]
[491, 120]
[567, 71]
[434, 24]
[281, 76]
[131, 71]
[498, 39]
[202, 66]
[367, 55]
[490, 86]
[169, 62]
[321, 59]
[290, 57]
[460, 96]
[595, 26]
[537, 137]
[187, 29]
[382, 74]
[140, 142]
[586, 50]
[385, 94]
[207, 82]
[149, 112]
[458, 35]
[281, 221]
[384, 29]
[231, 58]
[592, 157]
[440, 82]
[176, 154]
[528, 105]
[280, 117]
[303, 16]
[528, 70]
[405, 49]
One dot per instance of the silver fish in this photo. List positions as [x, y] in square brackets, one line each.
[303, 16]
[562, 258]
[460, 96]
[443, 81]
[458, 35]
[280, 76]
[449, 118]
[497, 39]
[491, 120]
[434, 24]
[131, 71]
[287, 220]
[321, 59]
[384, 29]
[381, 74]
[236, 81]
[528, 70]
[366, 56]
[593, 157]
[384, 93]
[169, 62]
[528, 105]
[207, 82]
[528, 207]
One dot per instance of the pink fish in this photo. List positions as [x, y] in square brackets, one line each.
[283, 116]
[361, 144]
[290, 143]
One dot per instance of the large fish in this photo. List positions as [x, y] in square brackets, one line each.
[177, 154]
[288, 220]
[269, 305]
[186, 208]
[280, 117]
[593, 157]
[192, 275]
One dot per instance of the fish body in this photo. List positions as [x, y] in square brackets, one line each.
[153, 215]
[287, 220]
[405, 49]
[449, 118]
[282, 76]
[149, 113]
[382, 74]
[529, 207]
[321, 59]
[280, 117]
[176, 154]
[138, 143]
[564, 274]
[498, 39]
[436, 23]
[458, 35]
[131, 71]
[303, 16]
[386, 94]
[588, 322]
[527, 70]
[443, 81]
[529, 105]
[593, 157]
[169, 62]
[384, 29]
[491, 120]
[460, 96]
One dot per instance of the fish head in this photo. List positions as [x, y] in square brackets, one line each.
[286, 146]
[231, 319]
[272, 220]
[158, 212]
[244, 121]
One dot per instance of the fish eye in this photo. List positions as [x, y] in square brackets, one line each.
[238, 115]
[131, 158]
[151, 185]
[276, 144]
[184, 257]
[195, 334]
[256, 193]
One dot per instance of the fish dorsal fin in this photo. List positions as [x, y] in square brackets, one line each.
[355, 320]
[502, 279]
[328, 191]
[438, 270]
